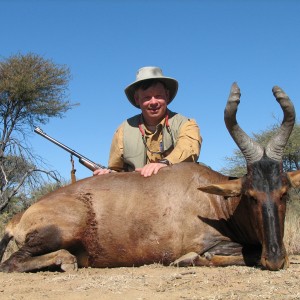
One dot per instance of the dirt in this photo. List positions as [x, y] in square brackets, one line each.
[155, 282]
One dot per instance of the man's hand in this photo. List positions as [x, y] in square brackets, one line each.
[101, 171]
[150, 169]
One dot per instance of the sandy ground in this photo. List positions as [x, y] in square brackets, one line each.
[155, 282]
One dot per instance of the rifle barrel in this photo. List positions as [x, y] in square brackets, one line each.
[73, 152]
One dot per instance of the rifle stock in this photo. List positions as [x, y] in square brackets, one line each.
[82, 159]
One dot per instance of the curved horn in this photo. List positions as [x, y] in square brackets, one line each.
[277, 144]
[251, 150]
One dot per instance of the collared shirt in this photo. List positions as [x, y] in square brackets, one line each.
[187, 147]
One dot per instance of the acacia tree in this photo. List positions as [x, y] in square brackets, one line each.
[32, 90]
[291, 155]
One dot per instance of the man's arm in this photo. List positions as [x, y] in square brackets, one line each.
[115, 161]
[188, 144]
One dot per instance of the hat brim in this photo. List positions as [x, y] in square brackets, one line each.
[171, 85]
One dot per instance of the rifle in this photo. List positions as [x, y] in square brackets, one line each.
[83, 160]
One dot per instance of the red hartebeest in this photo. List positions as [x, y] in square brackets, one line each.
[186, 214]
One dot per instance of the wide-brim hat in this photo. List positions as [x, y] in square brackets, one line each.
[147, 73]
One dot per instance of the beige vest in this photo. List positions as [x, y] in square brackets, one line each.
[134, 152]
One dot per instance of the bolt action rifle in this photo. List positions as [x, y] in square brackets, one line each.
[83, 160]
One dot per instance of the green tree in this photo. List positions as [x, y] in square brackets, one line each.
[291, 156]
[32, 90]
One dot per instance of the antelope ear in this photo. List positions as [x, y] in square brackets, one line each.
[294, 178]
[229, 189]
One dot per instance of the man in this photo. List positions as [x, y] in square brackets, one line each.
[157, 137]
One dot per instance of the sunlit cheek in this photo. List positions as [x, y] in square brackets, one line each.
[163, 103]
[144, 104]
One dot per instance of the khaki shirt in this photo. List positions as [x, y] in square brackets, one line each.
[187, 147]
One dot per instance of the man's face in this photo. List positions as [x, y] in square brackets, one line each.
[153, 103]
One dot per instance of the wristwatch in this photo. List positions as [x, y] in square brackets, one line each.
[164, 161]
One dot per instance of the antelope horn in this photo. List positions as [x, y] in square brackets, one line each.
[251, 150]
[277, 144]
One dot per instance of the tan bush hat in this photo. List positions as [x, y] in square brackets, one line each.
[147, 73]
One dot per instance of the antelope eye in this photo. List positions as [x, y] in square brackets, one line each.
[251, 195]
[284, 194]
[284, 197]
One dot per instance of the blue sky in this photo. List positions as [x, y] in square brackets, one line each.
[206, 45]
